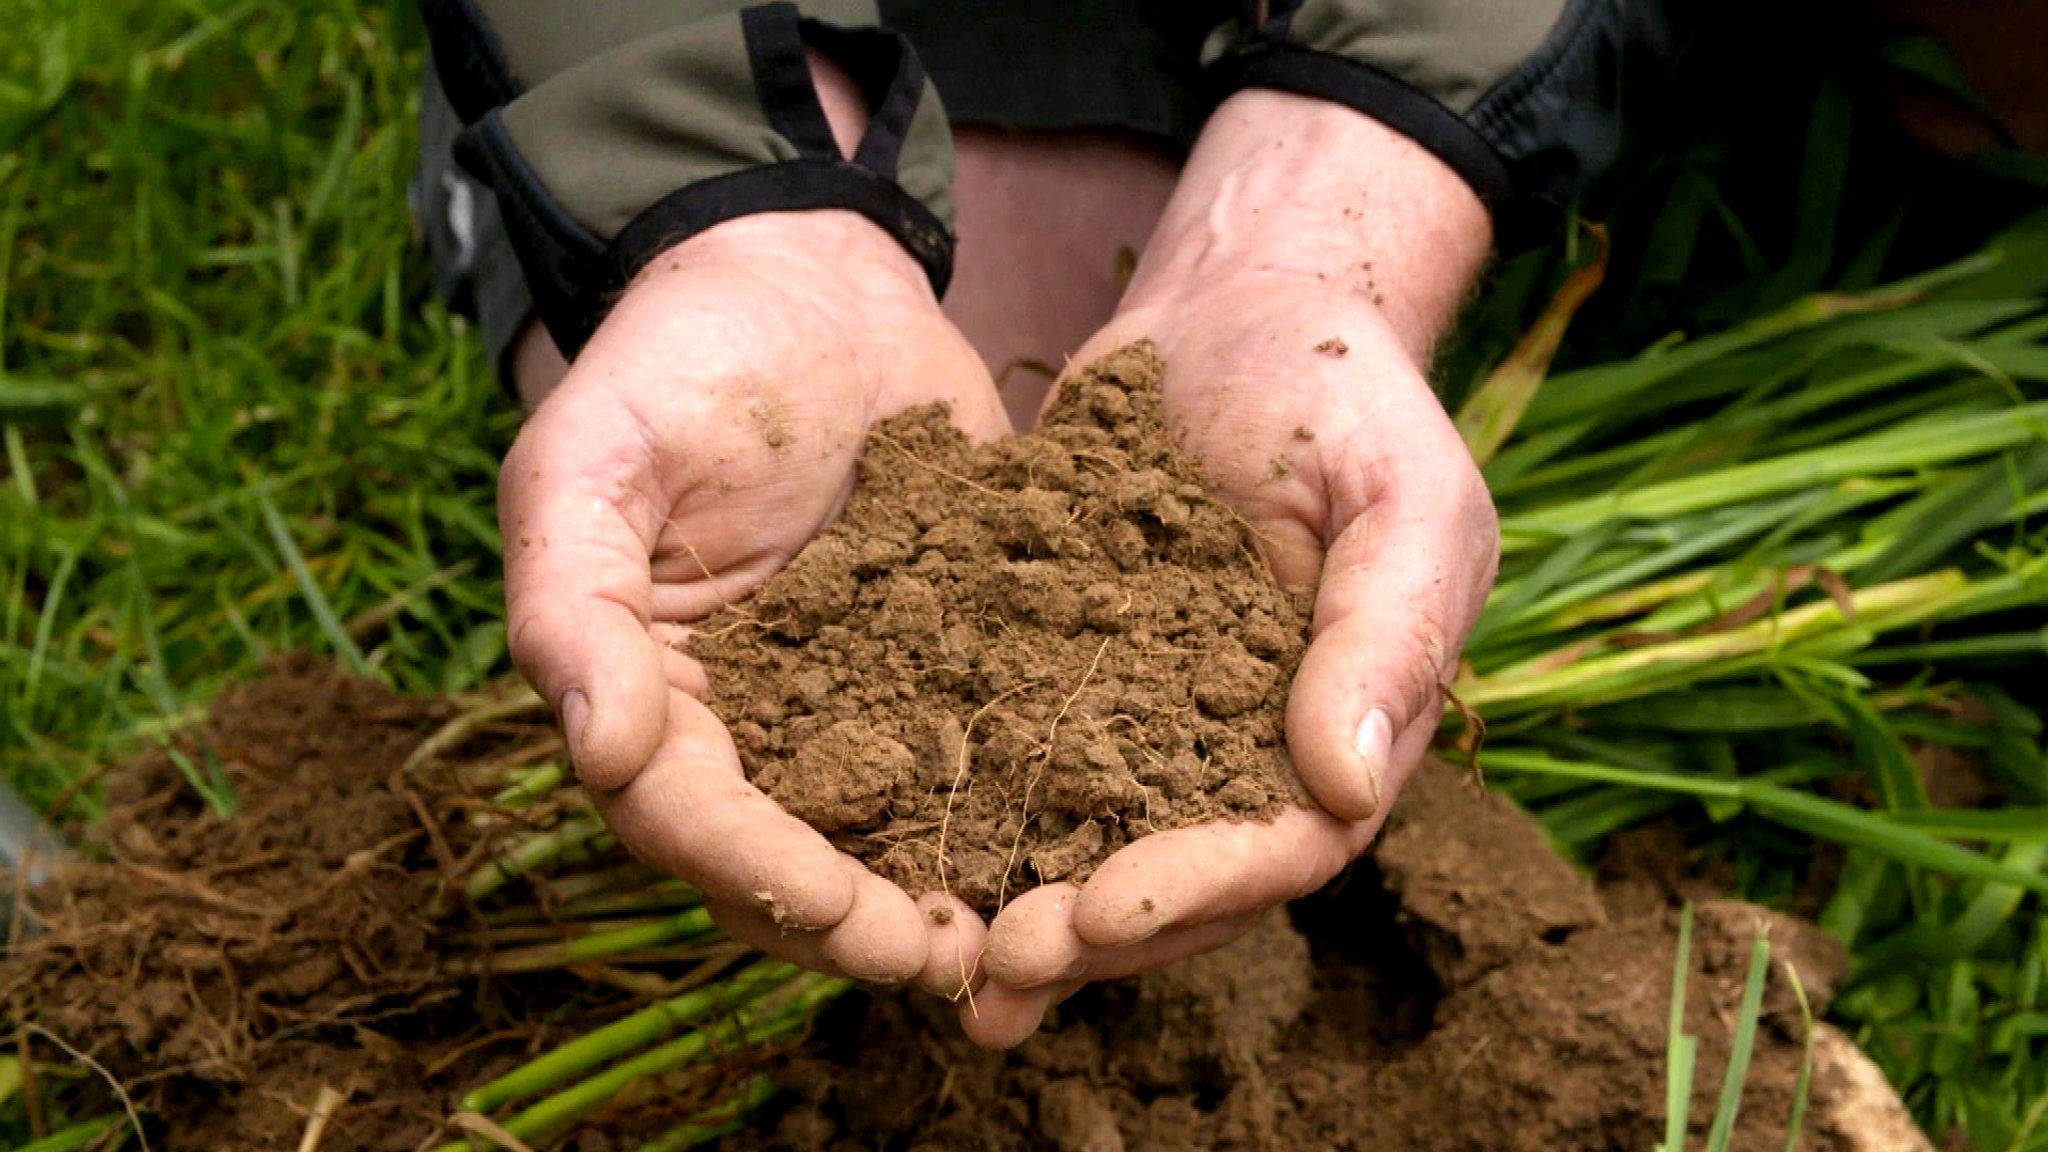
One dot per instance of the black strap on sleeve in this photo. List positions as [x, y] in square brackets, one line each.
[568, 270]
[782, 80]
[468, 58]
[891, 80]
[576, 276]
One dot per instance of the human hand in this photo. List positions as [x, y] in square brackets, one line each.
[705, 434]
[1294, 326]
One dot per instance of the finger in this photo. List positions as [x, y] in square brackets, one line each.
[977, 409]
[1208, 872]
[1032, 941]
[841, 951]
[1401, 585]
[954, 940]
[1039, 942]
[883, 939]
[684, 674]
[1001, 1017]
[1004, 1015]
[949, 371]
[801, 947]
[692, 813]
[576, 580]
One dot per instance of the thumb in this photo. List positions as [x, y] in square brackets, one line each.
[578, 592]
[1402, 583]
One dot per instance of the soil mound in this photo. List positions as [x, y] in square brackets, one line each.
[1463, 990]
[1004, 662]
[183, 960]
[226, 970]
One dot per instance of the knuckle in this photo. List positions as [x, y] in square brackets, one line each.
[526, 638]
[1419, 678]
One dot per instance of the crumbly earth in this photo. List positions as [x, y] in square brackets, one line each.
[1464, 990]
[203, 956]
[224, 971]
[1004, 662]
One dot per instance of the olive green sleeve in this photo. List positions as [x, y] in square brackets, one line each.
[1520, 97]
[611, 131]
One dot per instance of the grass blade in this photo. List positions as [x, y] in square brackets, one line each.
[316, 601]
[1682, 1050]
[1825, 819]
[1723, 1129]
[1803, 1087]
[627, 1035]
[1489, 416]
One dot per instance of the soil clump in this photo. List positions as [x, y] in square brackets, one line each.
[1004, 662]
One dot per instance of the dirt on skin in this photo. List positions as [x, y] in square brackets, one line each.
[224, 971]
[1016, 657]
[1463, 989]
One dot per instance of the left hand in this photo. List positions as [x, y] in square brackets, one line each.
[1303, 396]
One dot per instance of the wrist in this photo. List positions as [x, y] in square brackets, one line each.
[808, 251]
[1299, 192]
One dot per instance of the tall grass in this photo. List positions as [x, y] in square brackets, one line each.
[234, 422]
[1750, 580]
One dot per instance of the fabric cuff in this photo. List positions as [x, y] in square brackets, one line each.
[606, 164]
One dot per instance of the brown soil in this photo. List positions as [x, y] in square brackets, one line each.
[1464, 990]
[225, 971]
[181, 961]
[1019, 656]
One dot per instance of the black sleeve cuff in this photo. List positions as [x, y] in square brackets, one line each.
[576, 278]
[577, 269]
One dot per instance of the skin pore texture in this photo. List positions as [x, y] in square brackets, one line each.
[1296, 276]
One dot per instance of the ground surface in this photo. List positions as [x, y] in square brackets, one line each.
[1468, 991]
[226, 970]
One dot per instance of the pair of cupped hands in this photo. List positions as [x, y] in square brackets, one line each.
[711, 427]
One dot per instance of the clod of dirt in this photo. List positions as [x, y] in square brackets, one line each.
[1454, 906]
[1004, 662]
[1466, 991]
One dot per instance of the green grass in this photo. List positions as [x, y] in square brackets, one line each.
[1743, 588]
[235, 423]
[1682, 1051]
[1747, 577]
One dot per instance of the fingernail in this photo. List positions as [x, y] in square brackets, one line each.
[1375, 746]
[575, 710]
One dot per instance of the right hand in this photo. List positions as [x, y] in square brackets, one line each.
[707, 432]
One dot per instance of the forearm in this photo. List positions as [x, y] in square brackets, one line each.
[1301, 189]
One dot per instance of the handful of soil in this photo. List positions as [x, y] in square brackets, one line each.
[1004, 662]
